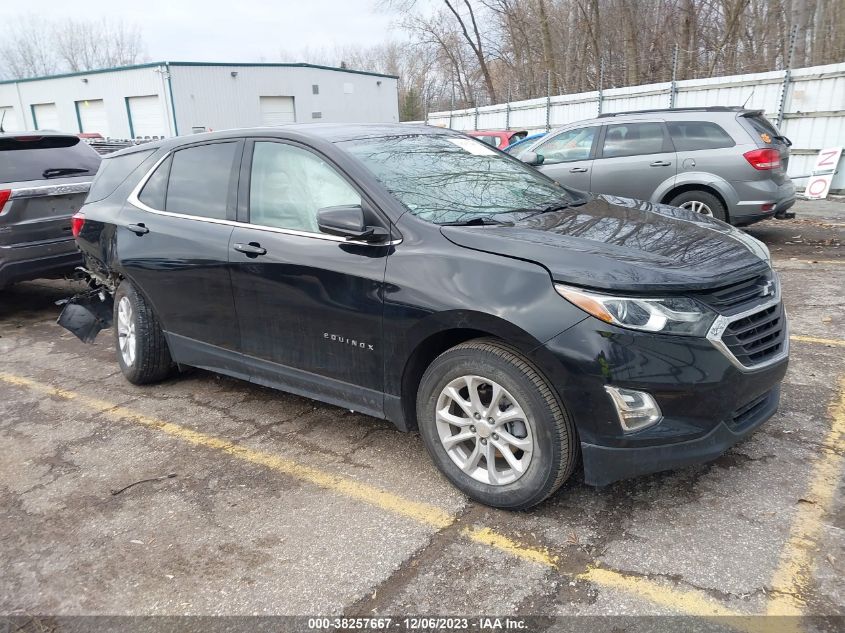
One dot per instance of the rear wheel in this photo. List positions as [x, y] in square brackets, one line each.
[142, 351]
[493, 425]
[700, 202]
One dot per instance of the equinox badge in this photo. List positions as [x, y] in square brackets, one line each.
[338, 338]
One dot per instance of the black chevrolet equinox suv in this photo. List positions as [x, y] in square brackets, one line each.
[418, 275]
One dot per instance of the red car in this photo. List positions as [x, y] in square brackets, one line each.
[499, 139]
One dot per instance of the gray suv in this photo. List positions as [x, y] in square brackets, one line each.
[44, 178]
[726, 162]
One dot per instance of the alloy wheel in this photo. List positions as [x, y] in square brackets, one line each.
[126, 331]
[697, 206]
[484, 430]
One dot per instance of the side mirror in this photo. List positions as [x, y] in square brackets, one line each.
[532, 158]
[348, 222]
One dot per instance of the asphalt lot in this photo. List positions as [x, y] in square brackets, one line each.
[281, 505]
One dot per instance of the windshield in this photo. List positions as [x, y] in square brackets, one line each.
[444, 179]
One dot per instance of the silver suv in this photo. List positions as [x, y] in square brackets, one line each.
[44, 178]
[727, 162]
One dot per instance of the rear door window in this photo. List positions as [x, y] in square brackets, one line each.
[199, 182]
[694, 135]
[113, 171]
[634, 139]
[45, 157]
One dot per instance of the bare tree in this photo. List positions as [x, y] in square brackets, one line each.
[27, 49]
[513, 45]
[34, 46]
[474, 41]
[102, 44]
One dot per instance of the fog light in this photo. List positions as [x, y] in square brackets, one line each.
[636, 409]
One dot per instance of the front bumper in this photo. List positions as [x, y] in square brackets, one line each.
[605, 464]
[707, 401]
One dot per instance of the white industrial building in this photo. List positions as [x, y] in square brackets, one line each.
[172, 98]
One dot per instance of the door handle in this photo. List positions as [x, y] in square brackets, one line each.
[138, 229]
[578, 170]
[253, 249]
[660, 163]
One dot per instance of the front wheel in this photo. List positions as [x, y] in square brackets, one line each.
[493, 425]
[142, 351]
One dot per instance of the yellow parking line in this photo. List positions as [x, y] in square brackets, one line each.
[690, 602]
[681, 601]
[486, 536]
[795, 569]
[421, 512]
[836, 342]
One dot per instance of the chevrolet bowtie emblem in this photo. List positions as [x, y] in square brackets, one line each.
[768, 289]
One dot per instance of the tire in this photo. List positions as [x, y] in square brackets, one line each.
[696, 197]
[554, 446]
[146, 358]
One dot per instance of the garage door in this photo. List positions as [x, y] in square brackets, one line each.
[46, 116]
[276, 110]
[9, 119]
[92, 117]
[146, 117]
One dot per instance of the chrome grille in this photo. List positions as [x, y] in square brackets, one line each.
[754, 337]
[736, 296]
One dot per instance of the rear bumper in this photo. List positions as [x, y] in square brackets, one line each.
[605, 464]
[754, 196]
[33, 262]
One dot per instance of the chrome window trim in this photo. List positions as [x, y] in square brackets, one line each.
[136, 202]
[714, 335]
[51, 190]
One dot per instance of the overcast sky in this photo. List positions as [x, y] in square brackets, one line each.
[235, 30]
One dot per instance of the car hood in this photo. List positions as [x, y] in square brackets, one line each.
[620, 244]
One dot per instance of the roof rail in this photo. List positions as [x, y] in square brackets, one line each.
[691, 109]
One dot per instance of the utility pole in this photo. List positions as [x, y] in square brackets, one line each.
[508, 111]
[787, 74]
[673, 88]
[452, 105]
[548, 100]
[601, 83]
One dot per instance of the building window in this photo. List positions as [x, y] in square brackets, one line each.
[315, 89]
[316, 115]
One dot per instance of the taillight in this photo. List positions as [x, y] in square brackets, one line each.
[762, 159]
[5, 194]
[76, 223]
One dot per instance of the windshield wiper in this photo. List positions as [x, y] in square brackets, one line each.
[479, 220]
[52, 172]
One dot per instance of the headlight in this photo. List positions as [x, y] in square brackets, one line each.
[671, 315]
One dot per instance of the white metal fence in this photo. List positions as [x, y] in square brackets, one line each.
[808, 104]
